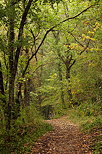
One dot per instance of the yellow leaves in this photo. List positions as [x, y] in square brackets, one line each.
[75, 46]
[92, 64]
[95, 29]
[91, 32]
[94, 49]
[87, 37]
[66, 45]
[92, 39]
[97, 24]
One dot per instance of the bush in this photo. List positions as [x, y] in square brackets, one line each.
[23, 134]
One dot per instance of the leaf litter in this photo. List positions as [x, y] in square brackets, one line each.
[66, 138]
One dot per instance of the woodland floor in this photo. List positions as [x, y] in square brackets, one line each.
[66, 138]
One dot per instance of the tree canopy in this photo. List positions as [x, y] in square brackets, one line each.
[50, 57]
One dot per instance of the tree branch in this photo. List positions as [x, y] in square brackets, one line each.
[24, 16]
[72, 64]
[51, 29]
[15, 2]
[59, 24]
[85, 48]
[76, 39]
[69, 18]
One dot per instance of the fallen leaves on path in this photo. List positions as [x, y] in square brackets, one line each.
[66, 138]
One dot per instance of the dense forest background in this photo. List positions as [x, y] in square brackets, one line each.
[50, 65]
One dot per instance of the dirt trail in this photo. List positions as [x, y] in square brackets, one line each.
[66, 138]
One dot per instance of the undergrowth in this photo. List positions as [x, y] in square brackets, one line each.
[89, 117]
[27, 129]
[59, 111]
[24, 138]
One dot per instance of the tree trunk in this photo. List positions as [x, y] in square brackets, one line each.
[2, 93]
[1, 81]
[57, 38]
[60, 78]
[68, 79]
[18, 99]
[10, 104]
[27, 92]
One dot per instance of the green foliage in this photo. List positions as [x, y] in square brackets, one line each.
[97, 147]
[95, 124]
[2, 11]
[59, 111]
[95, 128]
[90, 122]
[27, 129]
[47, 72]
[24, 138]
[52, 1]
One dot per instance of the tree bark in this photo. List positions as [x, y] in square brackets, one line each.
[68, 79]
[27, 86]
[13, 62]
[10, 104]
[61, 88]
[1, 81]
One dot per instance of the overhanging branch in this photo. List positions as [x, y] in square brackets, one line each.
[51, 29]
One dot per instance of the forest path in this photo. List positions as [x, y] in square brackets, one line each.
[66, 138]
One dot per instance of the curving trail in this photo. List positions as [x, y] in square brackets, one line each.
[66, 138]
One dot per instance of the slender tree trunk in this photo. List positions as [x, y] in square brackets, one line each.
[57, 38]
[11, 64]
[1, 81]
[27, 86]
[2, 92]
[13, 57]
[60, 78]
[68, 79]
[18, 99]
